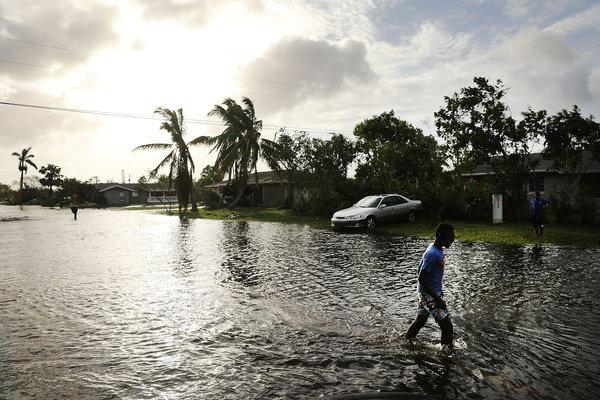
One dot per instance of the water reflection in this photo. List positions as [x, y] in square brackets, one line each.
[240, 254]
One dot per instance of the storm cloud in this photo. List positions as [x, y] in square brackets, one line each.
[86, 27]
[297, 69]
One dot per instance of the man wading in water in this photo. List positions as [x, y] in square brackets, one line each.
[430, 286]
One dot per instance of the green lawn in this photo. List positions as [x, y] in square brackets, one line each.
[508, 233]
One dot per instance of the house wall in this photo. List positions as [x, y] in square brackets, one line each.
[118, 196]
[273, 195]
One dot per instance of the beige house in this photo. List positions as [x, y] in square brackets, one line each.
[269, 192]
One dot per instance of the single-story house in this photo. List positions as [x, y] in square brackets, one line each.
[269, 192]
[123, 194]
[548, 181]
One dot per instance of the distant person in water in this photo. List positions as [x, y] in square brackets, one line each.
[430, 286]
[74, 211]
[537, 207]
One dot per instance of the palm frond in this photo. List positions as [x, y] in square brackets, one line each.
[205, 140]
[165, 161]
[31, 163]
[154, 146]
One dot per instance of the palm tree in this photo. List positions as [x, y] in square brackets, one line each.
[52, 176]
[179, 159]
[240, 146]
[24, 159]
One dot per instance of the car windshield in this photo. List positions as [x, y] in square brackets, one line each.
[369, 202]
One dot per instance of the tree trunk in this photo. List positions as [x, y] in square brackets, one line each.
[21, 182]
[241, 189]
[193, 196]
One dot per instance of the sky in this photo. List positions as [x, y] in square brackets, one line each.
[317, 65]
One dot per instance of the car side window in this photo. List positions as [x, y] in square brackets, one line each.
[399, 200]
[389, 201]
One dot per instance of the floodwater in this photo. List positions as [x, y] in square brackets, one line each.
[131, 304]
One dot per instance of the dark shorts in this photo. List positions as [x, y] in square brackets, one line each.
[538, 220]
[427, 307]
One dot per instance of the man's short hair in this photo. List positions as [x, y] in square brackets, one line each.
[443, 228]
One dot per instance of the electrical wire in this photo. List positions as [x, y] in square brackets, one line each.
[146, 117]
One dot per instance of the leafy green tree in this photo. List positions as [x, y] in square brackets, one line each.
[394, 156]
[208, 175]
[78, 191]
[293, 161]
[6, 193]
[318, 169]
[179, 159]
[572, 141]
[52, 176]
[240, 145]
[24, 160]
[477, 128]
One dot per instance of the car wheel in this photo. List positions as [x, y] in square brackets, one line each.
[371, 223]
[411, 216]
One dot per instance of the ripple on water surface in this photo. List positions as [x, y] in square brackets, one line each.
[141, 305]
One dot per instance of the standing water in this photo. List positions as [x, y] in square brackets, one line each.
[128, 304]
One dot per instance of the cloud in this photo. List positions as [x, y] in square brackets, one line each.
[431, 43]
[23, 126]
[192, 13]
[312, 69]
[588, 19]
[85, 26]
[594, 82]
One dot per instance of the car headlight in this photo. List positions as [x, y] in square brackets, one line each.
[356, 216]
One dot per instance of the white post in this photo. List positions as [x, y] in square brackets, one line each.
[497, 208]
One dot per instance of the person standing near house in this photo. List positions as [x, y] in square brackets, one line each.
[537, 207]
[430, 286]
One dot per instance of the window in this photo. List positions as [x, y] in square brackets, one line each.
[122, 197]
[400, 200]
[390, 201]
[536, 183]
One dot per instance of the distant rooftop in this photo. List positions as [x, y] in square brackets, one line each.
[264, 178]
[543, 166]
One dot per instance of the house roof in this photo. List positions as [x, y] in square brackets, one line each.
[103, 187]
[264, 178]
[543, 165]
[132, 187]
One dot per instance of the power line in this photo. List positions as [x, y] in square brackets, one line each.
[147, 117]
[47, 45]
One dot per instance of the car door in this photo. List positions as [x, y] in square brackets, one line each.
[401, 208]
[386, 214]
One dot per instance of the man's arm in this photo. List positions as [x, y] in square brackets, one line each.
[424, 281]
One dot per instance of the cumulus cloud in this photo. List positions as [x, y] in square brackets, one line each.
[192, 13]
[84, 26]
[311, 69]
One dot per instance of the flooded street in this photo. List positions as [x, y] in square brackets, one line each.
[132, 304]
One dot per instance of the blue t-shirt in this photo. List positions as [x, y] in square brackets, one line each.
[432, 262]
[538, 206]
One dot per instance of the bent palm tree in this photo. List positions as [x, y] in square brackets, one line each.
[240, 146]
[24, 159]
[179, 159]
